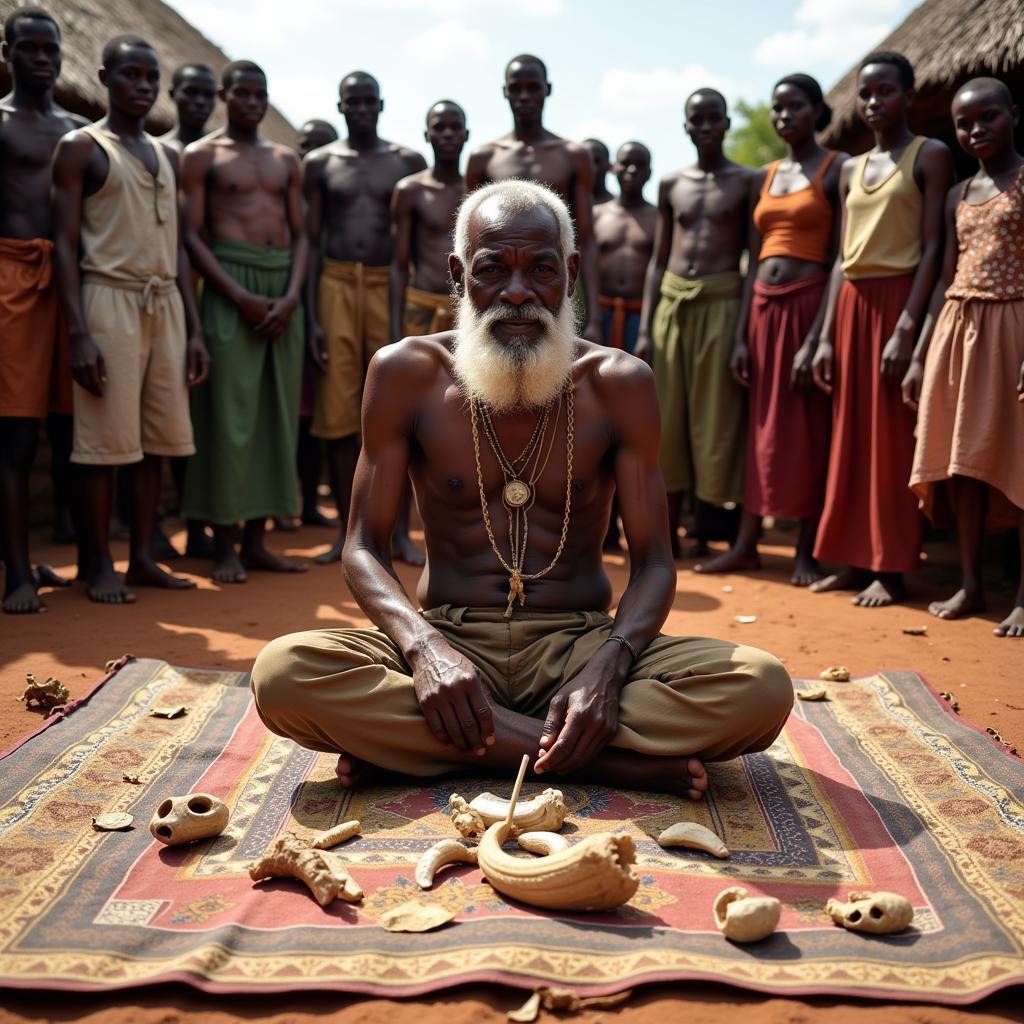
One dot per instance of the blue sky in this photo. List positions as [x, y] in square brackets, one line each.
[618, 70]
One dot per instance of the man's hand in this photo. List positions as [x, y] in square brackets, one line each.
[911, 386]
[739, 364]
[802, 375]
[253, 307]
[582, 716]
[822, 366]
[87, 366]
[275, 320]
[896, 357]
[317, 342]
[452, 699]
[197, 361]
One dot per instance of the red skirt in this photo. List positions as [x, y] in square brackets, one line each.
[788, 438]
[871, 519]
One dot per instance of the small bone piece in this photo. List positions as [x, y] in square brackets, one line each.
[336, 835]
[592, 875]
[818, 693]
[694, 836]
[545, 811]
[447, 851]
[415, 917]
[836, 674]
[116, 821]
[915, 630]
[44, 696]
[878, 913]
[464, 818]
[743, 918]
[170, 712]
[184, 819]
[544, 843]
[745, 619]
[322, 871]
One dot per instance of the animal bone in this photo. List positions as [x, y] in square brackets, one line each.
[322, 871]
[116, 821]
[592, 875]
[415, 917]
[545, 843]
[545, 811]
[836, 674]
[878, 913]
[184, 819]
[336, 835]
[818, 693]
[694, 836]
[44, 696]
[447, 851]
[743, 918]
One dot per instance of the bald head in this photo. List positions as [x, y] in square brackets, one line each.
[990, 88]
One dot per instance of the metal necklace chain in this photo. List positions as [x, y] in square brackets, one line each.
[517, 547]
[509, 468]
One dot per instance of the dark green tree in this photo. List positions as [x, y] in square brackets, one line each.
[753, 142]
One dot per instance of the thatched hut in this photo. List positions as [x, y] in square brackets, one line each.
[86, 25]
[948, 42]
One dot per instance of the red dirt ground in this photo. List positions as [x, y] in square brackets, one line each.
[226, 627]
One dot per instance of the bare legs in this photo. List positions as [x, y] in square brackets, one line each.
[1013, 624]
[18, 438]
[743, 556]
[342, 455]
[230, 566]
[971, 500]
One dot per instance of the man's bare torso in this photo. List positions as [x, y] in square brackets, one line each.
[710, 214]
[435, 204]
[551, 162]
[356, 193]
[246, 189]
[462, 567]
[625, 240]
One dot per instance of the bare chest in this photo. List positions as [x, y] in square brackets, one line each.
[618, 231]
[248, 175]
[435, 209]
[550, 165]
[707, 199]
[355, 179]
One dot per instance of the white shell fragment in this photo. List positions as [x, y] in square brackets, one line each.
[336, 835]
[544, 843]
[743, 918]
[877, 913]
[116, 821]
[835, 674]
[818, 693]
[447, 851]
[544, 811]
[694, 836]
[915, 630]
[415, 917]
[745, 619]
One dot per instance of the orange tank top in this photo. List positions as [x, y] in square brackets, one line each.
[798, 224]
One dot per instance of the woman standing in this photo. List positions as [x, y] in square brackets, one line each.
[893, 200]
[793, 241]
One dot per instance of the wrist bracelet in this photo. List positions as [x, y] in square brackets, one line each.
[625, 643]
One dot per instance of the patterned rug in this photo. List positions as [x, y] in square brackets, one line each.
[879, 788]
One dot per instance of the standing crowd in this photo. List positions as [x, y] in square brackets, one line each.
[216, 299]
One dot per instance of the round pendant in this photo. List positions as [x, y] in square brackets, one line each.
[516, 494]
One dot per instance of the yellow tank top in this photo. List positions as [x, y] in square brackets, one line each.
[882, 237]
[130, 224]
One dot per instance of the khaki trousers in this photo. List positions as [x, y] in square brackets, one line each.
[351, 690]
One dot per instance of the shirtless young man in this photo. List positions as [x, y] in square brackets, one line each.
[126, 288]
[194, 92]
[315, 133]
[691, 305]
[602, 161]
[348, 187]
[530, 151]
[423, 209]
[516, 655]
[31, 123]
[244, 229]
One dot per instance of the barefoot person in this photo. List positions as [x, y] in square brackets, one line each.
[515, 433]
[348, 187]
[691, 307]
[793, 242]
[126, 288]
[194, 92]
[893, 198]
[530, 151]
[970, 424]
[243, 225]
[602, 160]
[31, 123]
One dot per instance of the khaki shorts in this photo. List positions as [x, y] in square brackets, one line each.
[353, 305]
[144, 406]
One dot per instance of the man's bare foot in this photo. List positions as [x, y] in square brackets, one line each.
[848, 579]
[352, 771]
[698, 779]
[960, 604]
[404, 550]
[148, 574]
[23, 600]
[105, 587]
[881, 593]
[1013, 624]
[736, 559]
[228, 568]
[317, 518]
[46, 576]
[332, 555]
[806, 571]
[263, 560]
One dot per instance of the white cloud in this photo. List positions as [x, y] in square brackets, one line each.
[529, 8]
[446, 41]
[626, 91]
[840, 30]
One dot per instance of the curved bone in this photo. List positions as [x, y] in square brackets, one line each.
[336, 835]
[322, 871]
[447, 851]
[545, 811]
[746, 919]
[545, 843]
[694, 836]
[464, 818]
[815, 693]
[592, 875]
[878, 913]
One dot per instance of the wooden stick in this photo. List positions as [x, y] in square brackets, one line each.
[518, 786]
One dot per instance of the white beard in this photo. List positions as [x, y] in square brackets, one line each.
[521, 373]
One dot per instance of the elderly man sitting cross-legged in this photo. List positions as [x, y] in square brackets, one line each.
[516, 433]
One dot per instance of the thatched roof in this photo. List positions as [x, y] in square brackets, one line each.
[86, 25]
[948, 42]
